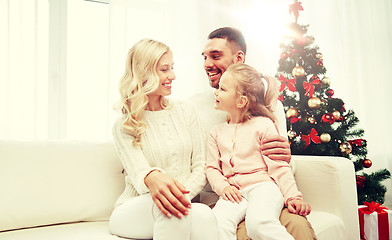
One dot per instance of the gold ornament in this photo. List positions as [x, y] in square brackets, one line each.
[291, 133]
[292, 112]
[314, 102]
[319, 55]
[336, 115]
[325, 137]
[326, 80]
[346, 148]
[298, 71]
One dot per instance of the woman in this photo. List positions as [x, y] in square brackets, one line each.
[161, 147]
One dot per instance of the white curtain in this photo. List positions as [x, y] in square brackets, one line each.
[23, 69]
[74, 100]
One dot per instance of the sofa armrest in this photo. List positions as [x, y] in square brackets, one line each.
[328, 184]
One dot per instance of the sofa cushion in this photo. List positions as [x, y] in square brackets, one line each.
[326, 225]
[80, 231]
[54, 182]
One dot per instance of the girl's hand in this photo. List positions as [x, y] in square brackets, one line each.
[298, 207]
[231, 193]
[276, 148]
[168, 194]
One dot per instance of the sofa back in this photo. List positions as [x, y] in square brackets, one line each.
[43, 183]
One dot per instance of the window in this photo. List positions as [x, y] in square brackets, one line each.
[55, 72]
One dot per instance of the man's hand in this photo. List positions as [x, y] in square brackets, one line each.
[231, 193]
[168, 194]
[298, 207]
[276, 148]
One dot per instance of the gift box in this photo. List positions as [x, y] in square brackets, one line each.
[375, 222]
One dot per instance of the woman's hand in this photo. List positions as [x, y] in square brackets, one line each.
[298, 207]
[231, 193]
[168, 194]
[276, 148]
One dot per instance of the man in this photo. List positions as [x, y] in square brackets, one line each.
[226, 46]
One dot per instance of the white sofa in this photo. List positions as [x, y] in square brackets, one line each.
[66, 190]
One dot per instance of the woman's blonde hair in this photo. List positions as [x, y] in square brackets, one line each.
[251, 85]
[139, 80]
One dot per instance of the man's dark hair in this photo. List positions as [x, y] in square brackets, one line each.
[231, 35]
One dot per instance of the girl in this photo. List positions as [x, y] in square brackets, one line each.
[250, 185]
[160, 145]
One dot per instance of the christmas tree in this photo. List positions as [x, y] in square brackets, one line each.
[318, 123]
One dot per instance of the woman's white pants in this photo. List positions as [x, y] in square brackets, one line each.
[140, 218]
[261, 206]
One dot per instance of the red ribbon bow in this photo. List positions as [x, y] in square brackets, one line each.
[312, 136]
[319, 62]
[290, 84]
[357, 142]
[372, 207]
[295, 119]
[285, 55]
[360, 181]
[309, 87]
[295, 8]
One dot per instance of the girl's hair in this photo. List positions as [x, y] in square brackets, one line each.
[261, 98]
[139, 80]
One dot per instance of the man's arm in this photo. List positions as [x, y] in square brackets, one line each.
[276, 148]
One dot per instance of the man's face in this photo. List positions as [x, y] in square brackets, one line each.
[218, 56]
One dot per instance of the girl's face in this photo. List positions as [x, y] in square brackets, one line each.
[166, 75]
[226, 95]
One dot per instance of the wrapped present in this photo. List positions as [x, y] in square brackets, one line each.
[375, 222]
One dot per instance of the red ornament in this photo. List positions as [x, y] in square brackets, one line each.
[301, 41]
[328, 118]
[330, 92]
[367, 163]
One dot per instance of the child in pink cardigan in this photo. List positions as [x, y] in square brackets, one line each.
[249, 184]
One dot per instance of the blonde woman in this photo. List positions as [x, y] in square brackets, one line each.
[161, 147]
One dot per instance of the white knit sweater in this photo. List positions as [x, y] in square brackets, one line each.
[174, 143]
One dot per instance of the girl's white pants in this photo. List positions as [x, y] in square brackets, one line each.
[261, 206]
[140, 218]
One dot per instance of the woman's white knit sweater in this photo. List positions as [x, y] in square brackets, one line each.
[173, 143]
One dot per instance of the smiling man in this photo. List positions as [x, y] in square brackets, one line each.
[224, 47]
[218, 56]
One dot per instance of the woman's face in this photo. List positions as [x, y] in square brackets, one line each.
[166, 75]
